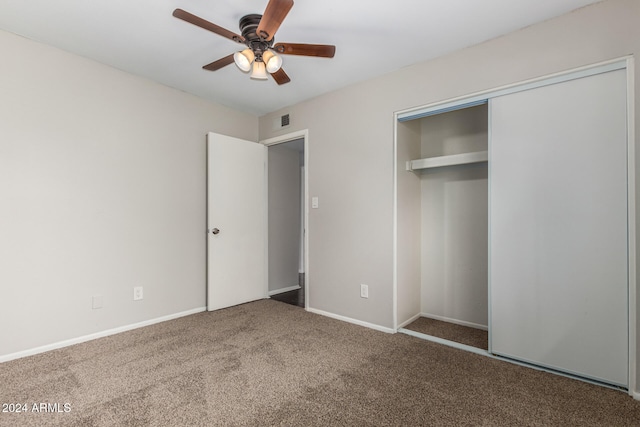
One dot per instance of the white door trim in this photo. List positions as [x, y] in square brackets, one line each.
[304, 134]
[631, 224]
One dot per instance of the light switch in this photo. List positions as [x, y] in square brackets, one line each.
[314, 202]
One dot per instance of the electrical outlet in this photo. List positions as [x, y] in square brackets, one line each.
[364, 291]
[137, 293]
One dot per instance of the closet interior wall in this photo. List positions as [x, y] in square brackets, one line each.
[443, 220]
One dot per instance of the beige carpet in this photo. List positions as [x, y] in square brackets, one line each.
[452, 332]
[269, 363]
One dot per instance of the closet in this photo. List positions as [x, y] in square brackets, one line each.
[449, 168]
[512, 215]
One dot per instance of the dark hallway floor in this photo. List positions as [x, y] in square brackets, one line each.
[293, 297]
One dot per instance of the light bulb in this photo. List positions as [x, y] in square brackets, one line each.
[272, 61]
[244, 59]
[259, 71]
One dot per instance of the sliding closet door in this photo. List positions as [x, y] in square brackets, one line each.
[558, 226]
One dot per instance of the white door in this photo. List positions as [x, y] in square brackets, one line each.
[236, 221]
[558, 227]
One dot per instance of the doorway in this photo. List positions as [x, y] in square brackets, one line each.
[286, 215]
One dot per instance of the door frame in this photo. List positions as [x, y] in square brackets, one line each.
[627, 63]
[301, 134]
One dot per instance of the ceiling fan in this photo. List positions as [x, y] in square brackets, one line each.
[261, 55]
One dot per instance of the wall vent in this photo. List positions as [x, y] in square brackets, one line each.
[281, 122]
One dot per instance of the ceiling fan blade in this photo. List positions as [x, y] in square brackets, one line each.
[222, 62]
[320, 50]
[202, 23]
[272, 18]
[280, 77]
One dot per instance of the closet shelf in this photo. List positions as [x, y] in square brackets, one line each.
[452, 160]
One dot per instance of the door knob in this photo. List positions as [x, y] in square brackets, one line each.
[215, 231]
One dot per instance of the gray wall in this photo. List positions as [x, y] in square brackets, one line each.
[351, 143]
[284, 215]
[102, 188]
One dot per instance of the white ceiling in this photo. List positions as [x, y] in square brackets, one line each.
[372, 38]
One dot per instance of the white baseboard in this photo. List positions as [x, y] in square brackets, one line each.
[354, 321]
[283, 290]
[78, 340]
[636, 395]
[455, 321]
[411, 320]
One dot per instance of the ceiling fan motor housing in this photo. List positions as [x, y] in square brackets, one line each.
[248, 27]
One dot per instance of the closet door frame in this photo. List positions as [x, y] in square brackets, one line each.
[624, 63]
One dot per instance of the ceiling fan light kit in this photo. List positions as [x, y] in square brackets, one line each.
[259, 56]
[269, 61]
